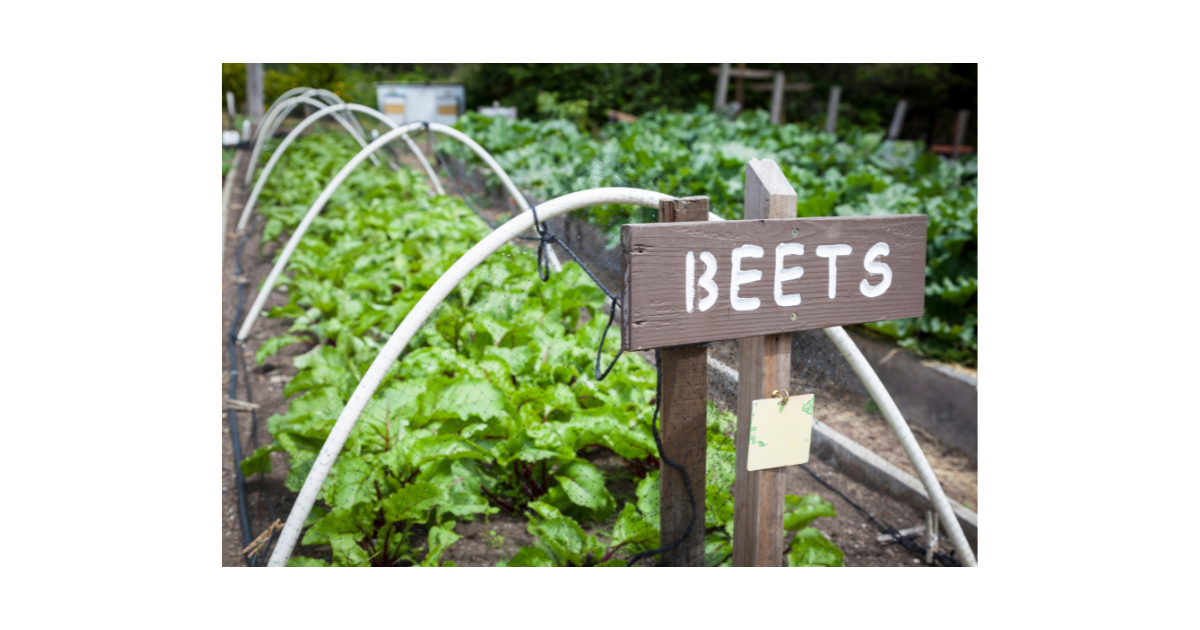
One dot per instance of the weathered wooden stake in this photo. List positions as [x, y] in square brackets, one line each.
[835, 96]
[254, 92]
[777, 100]
[764, 364]
[722, 89]
[739, 92]
[960, 132]
[897, 120]
[682, 424]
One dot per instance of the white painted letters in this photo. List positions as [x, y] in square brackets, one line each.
[706, 281]
[876, 268]
[689, 290]
[832, 252]
[740, 277]
[783, 275]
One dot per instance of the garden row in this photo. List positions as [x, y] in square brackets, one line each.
[492, 407]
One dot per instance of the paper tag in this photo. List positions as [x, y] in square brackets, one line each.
[780, 432]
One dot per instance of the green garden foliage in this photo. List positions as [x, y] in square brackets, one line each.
[698, 153]
[934, 91]
[493, 405]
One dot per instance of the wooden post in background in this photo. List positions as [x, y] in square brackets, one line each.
[739, 92]
[897, 120]
[777, 100]
[254, 92]
[764, 364]
[835, 97]
[960, 132]
[683, 424]
[722, 89]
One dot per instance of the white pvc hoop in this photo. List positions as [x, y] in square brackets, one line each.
[412, 322]
[283, 100]
[468, 262]
[273, 119]
[319, 204]
[331, 109]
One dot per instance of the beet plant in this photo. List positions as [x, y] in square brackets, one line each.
[493, 406]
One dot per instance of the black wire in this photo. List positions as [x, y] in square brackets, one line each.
[235, 438]
[546, 236]
[663, 456]
[612, 313]
[946, 560]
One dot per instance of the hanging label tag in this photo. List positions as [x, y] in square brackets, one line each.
[780, 431]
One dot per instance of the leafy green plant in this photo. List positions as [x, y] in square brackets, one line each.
[698, 153]
[808, 546]
[492, 407]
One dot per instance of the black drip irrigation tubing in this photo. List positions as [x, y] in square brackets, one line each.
[945, 560]
[235, 359]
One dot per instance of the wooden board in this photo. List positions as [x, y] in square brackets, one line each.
[683, 425]
[654, 307]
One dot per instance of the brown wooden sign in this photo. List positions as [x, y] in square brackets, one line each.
[705, 281]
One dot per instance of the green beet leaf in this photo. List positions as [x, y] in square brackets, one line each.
[810, 548]
[799, 512]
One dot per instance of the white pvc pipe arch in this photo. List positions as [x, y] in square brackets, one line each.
[329, 97]
[476, 255]
[412, 322]
[291, 137]
[273, 119]
[319, 204]
[283, 101]
[493, 241]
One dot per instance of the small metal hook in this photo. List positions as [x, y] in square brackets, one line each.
[775, 394]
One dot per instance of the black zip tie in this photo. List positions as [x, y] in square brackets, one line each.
[662, 456]
[946, 560]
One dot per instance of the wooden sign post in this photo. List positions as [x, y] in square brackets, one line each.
[757, 280]
[683, 425]
[764, 365]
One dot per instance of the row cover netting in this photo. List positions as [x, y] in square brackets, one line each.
[494, 405]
